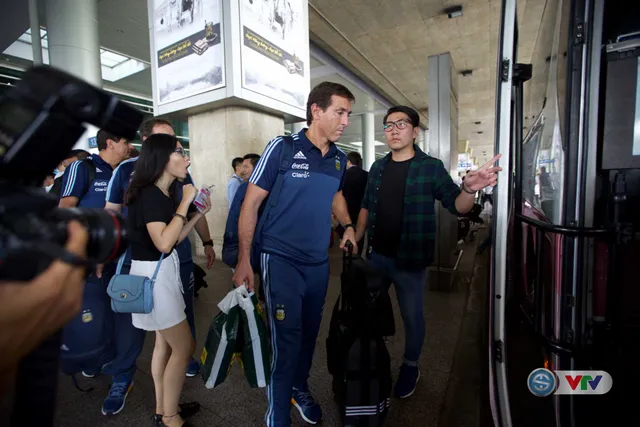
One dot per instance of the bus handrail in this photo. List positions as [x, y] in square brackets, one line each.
[567, 231]
[557, 347]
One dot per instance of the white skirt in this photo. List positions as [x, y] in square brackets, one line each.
[168, 302]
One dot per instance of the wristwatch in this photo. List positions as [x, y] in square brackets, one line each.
[208, 243]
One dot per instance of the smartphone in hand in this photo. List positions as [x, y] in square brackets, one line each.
[200, 198]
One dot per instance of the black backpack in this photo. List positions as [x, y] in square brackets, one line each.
[57, 183]
[357, 356]
[230, 239]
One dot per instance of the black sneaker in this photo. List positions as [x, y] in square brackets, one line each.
[186, 410]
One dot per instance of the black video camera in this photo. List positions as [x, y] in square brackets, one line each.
[41, 119]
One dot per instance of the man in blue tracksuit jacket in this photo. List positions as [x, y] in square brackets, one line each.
[295, 242]
[115, 199]
[80, 190]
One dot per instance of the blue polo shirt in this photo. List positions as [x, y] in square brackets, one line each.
[117, 188]
[299, 226]
[75, 182]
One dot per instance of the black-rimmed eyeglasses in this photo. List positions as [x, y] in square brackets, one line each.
[400, 124]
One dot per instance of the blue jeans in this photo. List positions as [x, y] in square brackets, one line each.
[127, 339]
[409, 286]
[188, 284]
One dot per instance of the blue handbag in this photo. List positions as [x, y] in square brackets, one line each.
[132, 294]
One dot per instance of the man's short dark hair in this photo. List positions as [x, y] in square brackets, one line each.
[102, 138]
[237, 161]
[413, 115]
[321, 95]
[79, 153]
[253, 157]
[355, 158]
[146, 128]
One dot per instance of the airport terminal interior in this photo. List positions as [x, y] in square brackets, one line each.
[230, 75]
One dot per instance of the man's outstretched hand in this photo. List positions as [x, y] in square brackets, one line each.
[484, 176]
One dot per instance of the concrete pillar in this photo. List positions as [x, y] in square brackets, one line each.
[443, 129]
[34, 24]
[421, 140]
[74, 46]
[298, 126]
[215, 137]
[368, 140]
[425, 140]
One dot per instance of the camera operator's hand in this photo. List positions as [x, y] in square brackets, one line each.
[32, 311]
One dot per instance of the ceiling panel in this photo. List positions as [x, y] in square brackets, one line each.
[387, 42]
[402, 34]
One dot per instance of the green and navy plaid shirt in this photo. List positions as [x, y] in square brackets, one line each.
[427, 180]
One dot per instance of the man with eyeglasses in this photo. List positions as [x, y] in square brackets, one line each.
[399, 214]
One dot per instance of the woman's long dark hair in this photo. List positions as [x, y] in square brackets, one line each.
[154, 156]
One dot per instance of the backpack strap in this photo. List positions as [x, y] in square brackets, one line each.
[92, 174]
[286, 157]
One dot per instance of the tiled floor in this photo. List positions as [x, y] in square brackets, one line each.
[234, 404]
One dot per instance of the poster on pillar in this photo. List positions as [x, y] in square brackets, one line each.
[275, 49]
[189, 50]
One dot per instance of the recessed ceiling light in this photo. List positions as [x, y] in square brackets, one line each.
[453, 11]
[466, 73]
[479, 131]
[477, 123]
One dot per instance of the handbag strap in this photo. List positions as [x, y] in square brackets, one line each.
[155, 273]
[121, 262]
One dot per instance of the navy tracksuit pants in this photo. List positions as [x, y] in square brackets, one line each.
[295, 296]
[189, 287]
[127, 339]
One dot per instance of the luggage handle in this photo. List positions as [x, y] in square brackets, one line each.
[347, 256]
[347, 259]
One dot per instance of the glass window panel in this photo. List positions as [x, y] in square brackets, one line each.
[115, 57]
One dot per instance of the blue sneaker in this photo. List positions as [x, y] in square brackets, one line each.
[407, 381]
[193, 368]
[115, 400]
[307, 406]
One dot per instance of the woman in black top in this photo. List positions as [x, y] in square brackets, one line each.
[157, 223]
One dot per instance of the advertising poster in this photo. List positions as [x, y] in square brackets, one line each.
[275, 49]
[190, 54]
